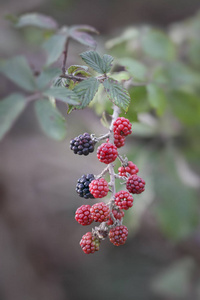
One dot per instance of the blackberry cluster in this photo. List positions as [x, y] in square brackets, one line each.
[82, 145]
[82, 186]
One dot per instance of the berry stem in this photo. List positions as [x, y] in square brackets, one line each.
[102, 173]
[115, 115]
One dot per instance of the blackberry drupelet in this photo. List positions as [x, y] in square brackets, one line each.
[83, 144]
[82, 187]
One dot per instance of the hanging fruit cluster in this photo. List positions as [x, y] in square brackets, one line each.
[109, 215]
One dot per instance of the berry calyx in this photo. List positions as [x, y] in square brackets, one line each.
[83, 215]
[122, 126]
[99, 188]
[82, 145]
[89, 243]
[123, 200]
[107, 153]
[118, 215]
[118, 235]
[82, 186]
[135, 184]
[100, 212]
[131, 169]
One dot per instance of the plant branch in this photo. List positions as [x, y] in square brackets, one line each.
[65, 56]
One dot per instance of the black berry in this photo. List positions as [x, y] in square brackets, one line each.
[82, 186]
[82, 145]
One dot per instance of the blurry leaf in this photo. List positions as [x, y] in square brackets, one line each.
[134, 67]
[38, 20]
[86, 91]
[85, 28]
[156, 98]
[63, 94]
[175, 281]
[121, 76]
[78, 34]
[54, 47]
[186, 107]
[73, 68]
[107, 59]
[82, 73]
[18, 70]
[117, 93]
[144, 130]
[140, 104]
[50, 119]
[10, 109]
[157, 45]
[47, 76]
[93, 59]
[128, 34]
[194, 52]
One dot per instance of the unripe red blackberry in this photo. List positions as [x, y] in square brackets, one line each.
[118, 235]
[82, 186]
[119, 140]
[122, 126]
[99, 188]
[117, 213]
[100, 212]
[82, 145]
[89, 243]
[135, 184]
[83, 215]
[131, 169]
[123, 200]
[107, 153]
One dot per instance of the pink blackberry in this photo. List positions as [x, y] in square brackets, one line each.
[83, 215]
[107, 153]
[131, 169]
[122, 126]
[135, 184]
[99, 188]
[100, 212]
[118, 235]
[117, 213]
[82, 145]
[123, 200]
[89, 243]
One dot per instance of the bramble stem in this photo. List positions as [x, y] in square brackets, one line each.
[65, 56]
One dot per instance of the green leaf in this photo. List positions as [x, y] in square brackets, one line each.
[107, 59]
[54, 47]
[127, 35]
[86, 91]
[38, 20]
[93, 59]
[46, 77]
[117, 93]
[157, 45]
[63, 94]
[50, 119]
[156, 98]
[134, 67]
[139, 94]
[10, 109]
[18, 71]
[74, 68]
[82, 73]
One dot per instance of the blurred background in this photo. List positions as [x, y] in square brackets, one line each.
[40, 256]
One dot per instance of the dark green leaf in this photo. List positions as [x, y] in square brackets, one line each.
[50, 119]
[18, 70]
[156, 98]
[10, 109]
[157, 45]
[139, 94]
[134, 67]
[93, 59]
[46, 77]
[38, 20]
[107, 59]
[63, 94]
[86, 91]
[117, 93]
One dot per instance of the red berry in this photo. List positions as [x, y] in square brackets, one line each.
[83, 215]
[122, 126]
[123, 200]
[117, 213]
[107, 153]
[89, 243]
[119, 140]
[100, 212]
[118, 235]
[135, 184]
[131, 168]
[99, 188]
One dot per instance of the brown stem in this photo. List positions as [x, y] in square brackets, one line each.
[65, 56]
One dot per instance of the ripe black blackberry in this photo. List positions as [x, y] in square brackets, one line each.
[82, 186]
[82, 145]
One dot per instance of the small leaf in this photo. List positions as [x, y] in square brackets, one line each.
[38, 20]
[134, 67]
[63, 94]
[86, 91]
[107, 59]
[117, 93]
[83, 38]
[46, 77]
[156, 98]
[73, 68]
[54, 47]
[10, 109]
[50, 119]
[93, 59]
[18, 70]
[82, 73]
[86, 28]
